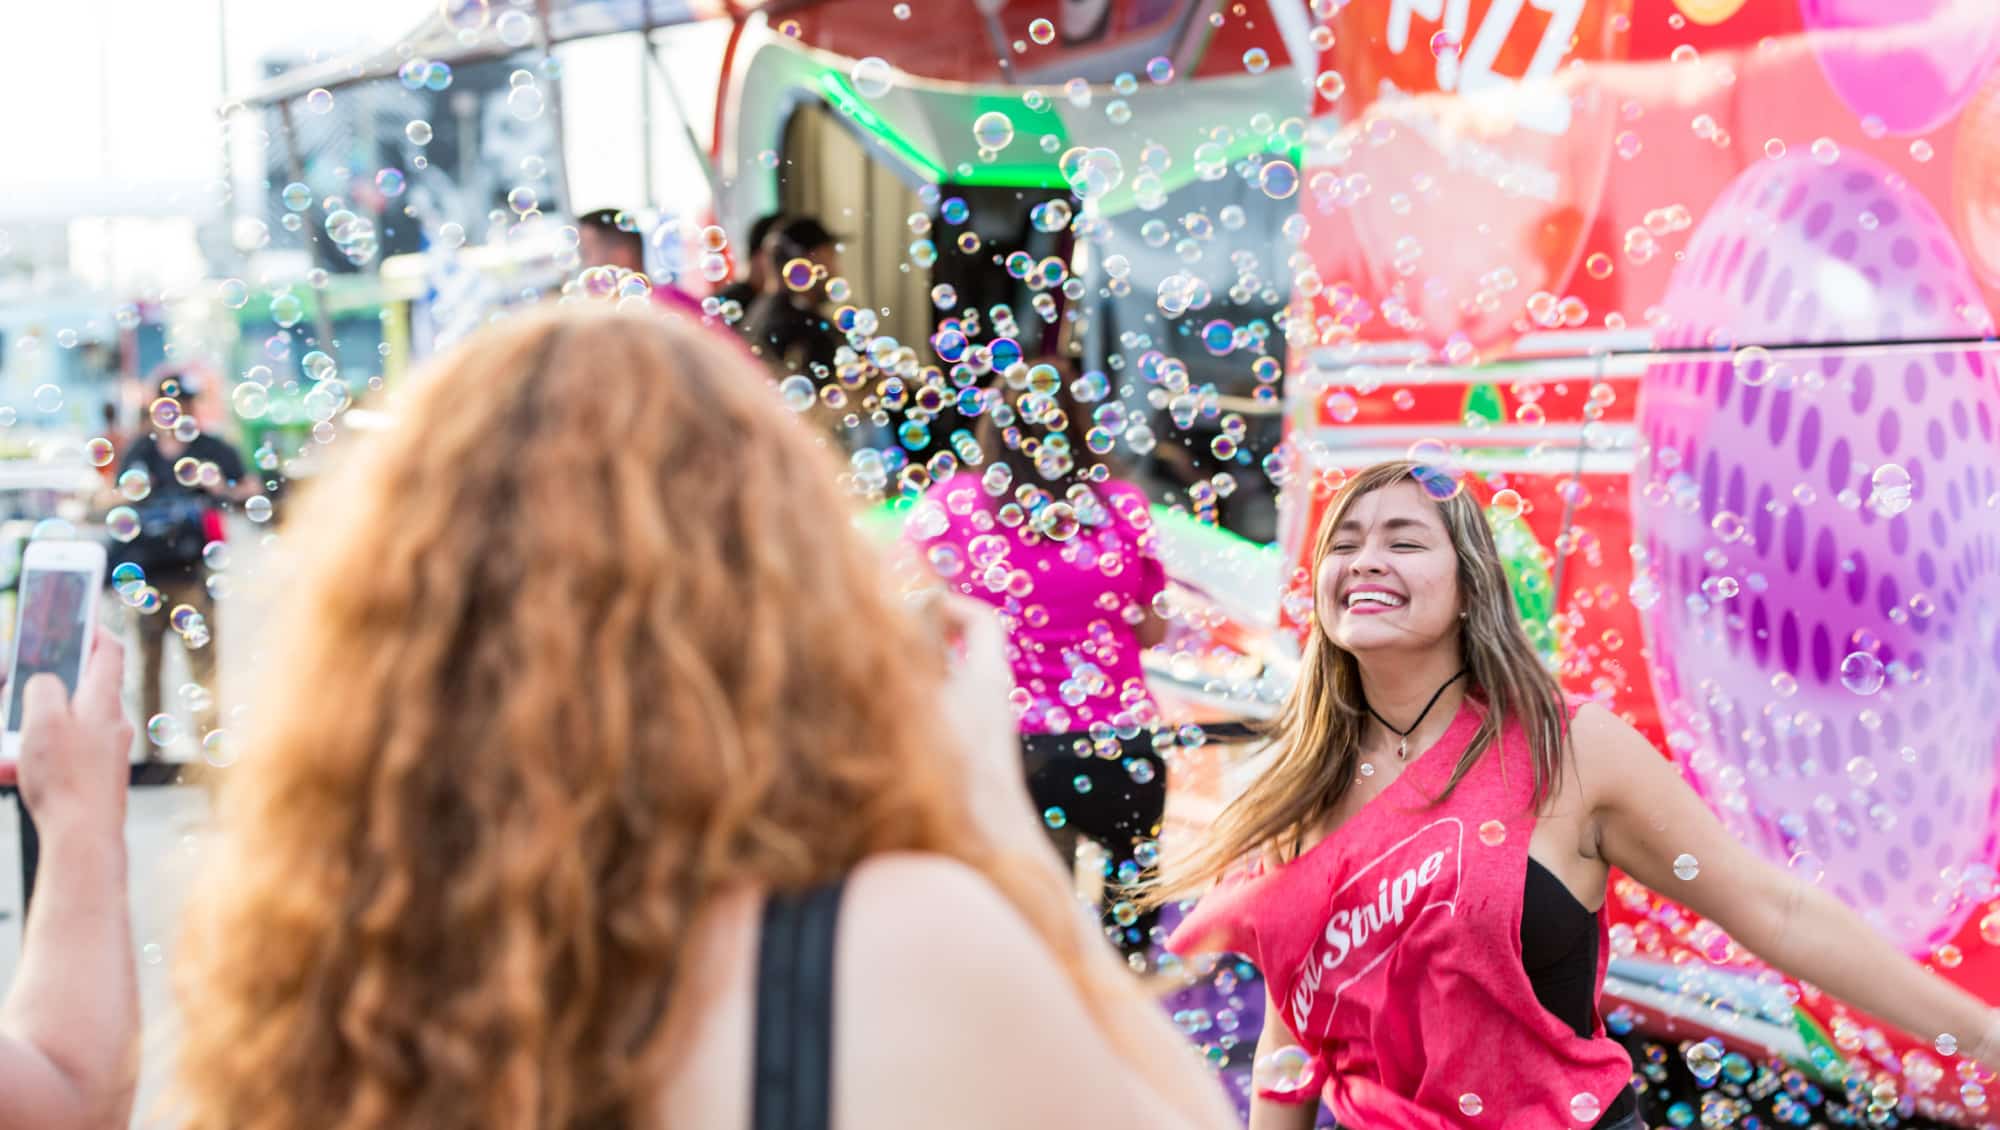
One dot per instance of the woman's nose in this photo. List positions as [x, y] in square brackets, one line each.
[1366, 560]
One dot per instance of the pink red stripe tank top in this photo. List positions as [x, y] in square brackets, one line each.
[1393, 950]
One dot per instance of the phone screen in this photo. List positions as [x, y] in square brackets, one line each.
[55, 604]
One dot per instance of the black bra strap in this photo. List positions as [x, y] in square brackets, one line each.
[792, 1069]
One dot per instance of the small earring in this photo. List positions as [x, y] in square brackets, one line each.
[1461, 615]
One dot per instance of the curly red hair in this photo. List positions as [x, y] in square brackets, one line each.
[584, 640]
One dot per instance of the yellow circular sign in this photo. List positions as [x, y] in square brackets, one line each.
[1708, 11]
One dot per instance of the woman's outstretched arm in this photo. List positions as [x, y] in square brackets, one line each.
[1647, 816]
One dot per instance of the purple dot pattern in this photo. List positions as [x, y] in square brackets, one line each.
[1797, 251]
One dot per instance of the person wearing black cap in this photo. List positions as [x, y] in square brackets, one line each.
[757, 257]
[787, 325]
[192, 474]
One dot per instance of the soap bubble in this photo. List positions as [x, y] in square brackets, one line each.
[1093, 172]
[516, 28]
[122, 523]
[464, 15]
[1861, 672]
[1705, 1061]
[1287, 1069]
[873, 77]
[1890, 491]
[218, 750]
[163, 729]
[1753, 365]
[1042, 32]
[1279, 179]
[525, 102]
[797, 392]
[250, 400]
[1686, 867]
[993, 130]
[418, 131]
[287, 310]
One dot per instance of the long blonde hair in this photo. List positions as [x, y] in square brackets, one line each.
[1318, 732]
[586, 639]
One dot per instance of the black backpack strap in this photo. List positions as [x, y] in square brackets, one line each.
[793, 1060]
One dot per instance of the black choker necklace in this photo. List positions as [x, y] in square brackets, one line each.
[1403, 747]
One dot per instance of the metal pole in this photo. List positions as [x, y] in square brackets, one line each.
[233, 207]
[997, 38]
[645, 121]
[104, 155]
[647, 185]
[555, 105]
[687, 124]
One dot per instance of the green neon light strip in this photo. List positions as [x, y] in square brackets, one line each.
[1823, 1059]
[1036, 172]
[844, 99]
[1029, 167]
[884, 523]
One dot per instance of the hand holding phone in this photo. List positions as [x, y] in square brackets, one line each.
[75, 748]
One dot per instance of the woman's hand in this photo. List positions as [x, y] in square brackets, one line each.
[974, 704]
[75, 751]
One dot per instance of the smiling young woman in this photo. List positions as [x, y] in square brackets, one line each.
[1420, 872]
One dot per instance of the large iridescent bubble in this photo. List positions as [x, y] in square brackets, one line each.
[1773, 553]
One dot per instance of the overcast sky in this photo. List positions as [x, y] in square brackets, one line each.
[114, 96]
[110, 110]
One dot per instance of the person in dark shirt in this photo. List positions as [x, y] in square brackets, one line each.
[761, 275]
[193, 474]
[787, 325]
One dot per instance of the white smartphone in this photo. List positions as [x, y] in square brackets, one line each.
[56, 609]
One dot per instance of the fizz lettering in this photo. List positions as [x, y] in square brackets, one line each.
[1545, 108]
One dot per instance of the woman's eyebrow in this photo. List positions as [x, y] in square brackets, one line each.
[1352, 525]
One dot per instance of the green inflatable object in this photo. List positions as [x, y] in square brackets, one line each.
[1522, 557]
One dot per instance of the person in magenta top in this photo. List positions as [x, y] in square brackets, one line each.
[1066, 553]
[1420, 871]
